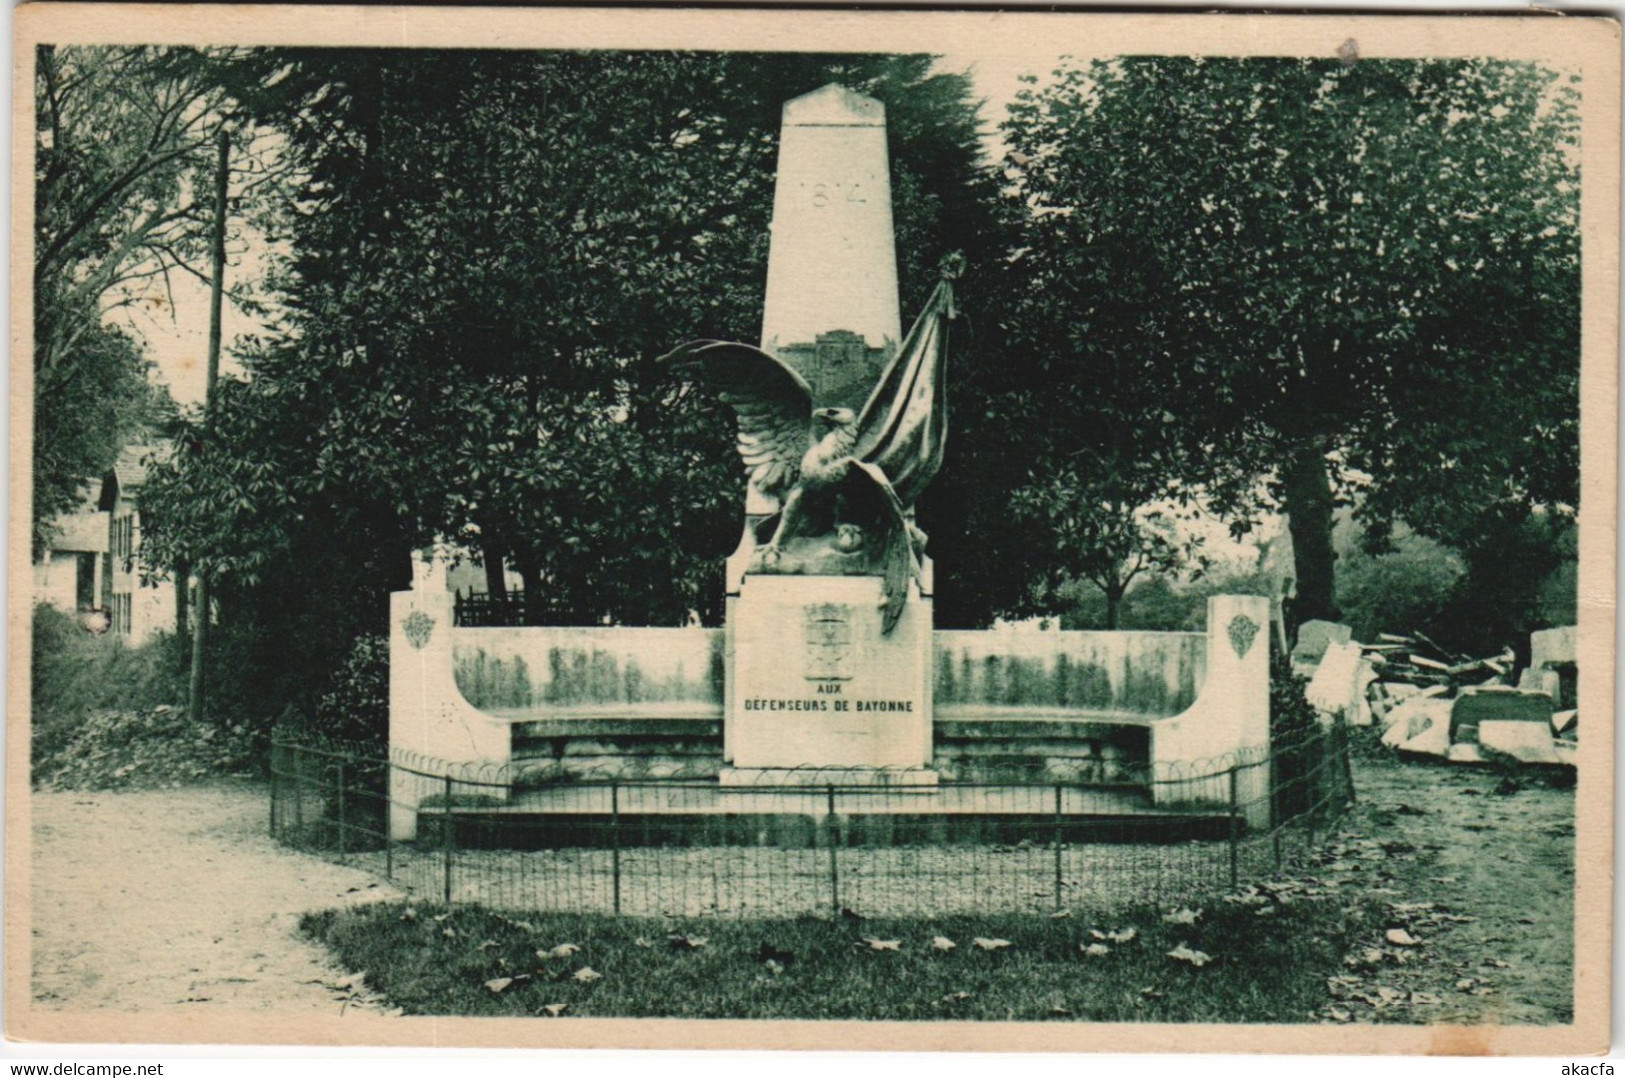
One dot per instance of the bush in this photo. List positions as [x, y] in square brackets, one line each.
[355, 712]
[74, 675]
[1399, 591]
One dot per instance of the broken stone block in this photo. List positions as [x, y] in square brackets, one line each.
[1314, 637]
[1497, 703]
[1526, 742]
[1331, 690]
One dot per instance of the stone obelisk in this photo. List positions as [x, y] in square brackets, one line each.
[816, 692]
[831, 307]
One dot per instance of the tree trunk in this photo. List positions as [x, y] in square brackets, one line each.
[183, 596]
[1114, 602]
[530, 571]
[1307, 491]
[496, 581]
[196, 702]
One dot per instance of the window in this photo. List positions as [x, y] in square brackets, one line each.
[84, 583]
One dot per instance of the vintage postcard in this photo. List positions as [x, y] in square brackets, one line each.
[890, 529]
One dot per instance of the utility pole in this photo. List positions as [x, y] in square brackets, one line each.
[217, 288]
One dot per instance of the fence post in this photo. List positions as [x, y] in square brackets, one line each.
[275, 777]
[1235, 826]
[344, 843]
[615, 839]
[1057, 844]
[389, 823]
[1348, 771]
[834, 871]
[446, 841]
[298, 794]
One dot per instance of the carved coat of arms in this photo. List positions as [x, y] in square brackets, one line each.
[828, 635]
[1242, 629]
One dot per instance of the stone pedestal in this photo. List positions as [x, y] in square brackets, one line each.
[817, 693]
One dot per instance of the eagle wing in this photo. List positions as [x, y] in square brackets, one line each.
[772, 401]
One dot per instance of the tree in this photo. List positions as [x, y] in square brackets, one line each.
[123, 152]
[1355, 276]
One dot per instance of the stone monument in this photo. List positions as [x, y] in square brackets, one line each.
[828, 648]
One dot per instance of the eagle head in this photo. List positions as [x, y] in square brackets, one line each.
[835, 418]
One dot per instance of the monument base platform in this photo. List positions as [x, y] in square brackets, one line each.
[816, 682]
[773, 779]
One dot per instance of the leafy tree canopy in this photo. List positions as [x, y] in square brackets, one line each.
[1336, 276]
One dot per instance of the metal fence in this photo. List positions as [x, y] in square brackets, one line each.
[537, 838]
[516, 607]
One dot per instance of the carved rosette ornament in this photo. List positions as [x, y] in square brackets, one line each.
[1242, 630]
[417, 625]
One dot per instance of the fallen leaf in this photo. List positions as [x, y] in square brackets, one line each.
[563, 950]
[1337, 1014]
[486, 945]
[1465, 983]
[883, 945]
[991, 944]
[1095, 950]
[449, 932]
[553, 1009]
[1116, 935]
[774, 967]
[587, 975]
[496, 985]
[1182, 916]
[942, 943]
[641, 942]
[1060, 1011]
[956, 997]
[1183, 953]
[441, 917]
[680, 942]
[409, 914]
[1401, 938]
[1060, 914]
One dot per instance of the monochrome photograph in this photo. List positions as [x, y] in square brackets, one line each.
[1093, 532]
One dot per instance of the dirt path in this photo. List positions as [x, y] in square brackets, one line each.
[1481, 872]
[166, 900]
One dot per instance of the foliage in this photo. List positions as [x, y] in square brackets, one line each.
[74, 675]
[356, 710]
[1400, 591]
[86, 408]
[119, 139]
[1158, 603]
[1499, 601]
[1330, 273]
[145, 749]
[433, 962]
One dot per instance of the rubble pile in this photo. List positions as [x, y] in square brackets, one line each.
[1429, 699]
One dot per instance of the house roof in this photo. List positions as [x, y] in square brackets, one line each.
[129, 473]
[81, 533]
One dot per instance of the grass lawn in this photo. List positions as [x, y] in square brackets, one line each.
[1263, 968]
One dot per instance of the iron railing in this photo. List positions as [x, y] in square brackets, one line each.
[538, 837]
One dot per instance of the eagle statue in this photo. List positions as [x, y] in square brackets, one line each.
[840, 485]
